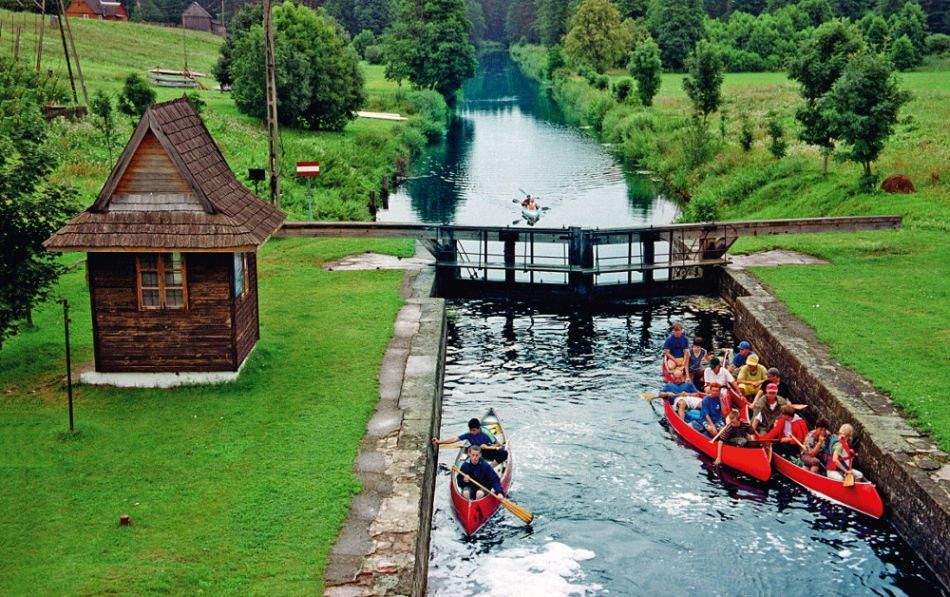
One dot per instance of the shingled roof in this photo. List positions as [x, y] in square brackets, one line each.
[207, 209]
[196, 10]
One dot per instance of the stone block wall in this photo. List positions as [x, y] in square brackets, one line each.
[911, 473]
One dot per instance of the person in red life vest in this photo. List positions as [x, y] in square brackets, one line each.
[842, 456]
[787, 426]
[736, 433]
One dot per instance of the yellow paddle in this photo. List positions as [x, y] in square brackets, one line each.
[524, 515]
[451, 446]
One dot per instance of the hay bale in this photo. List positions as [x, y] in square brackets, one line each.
[898, 183]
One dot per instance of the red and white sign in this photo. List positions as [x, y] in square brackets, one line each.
[308, 168]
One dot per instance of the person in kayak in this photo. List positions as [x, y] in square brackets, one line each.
[842, 456]
[675, 347]
[767, 409]
[479, 436]
[740, 357]
[773, 375]
[711, 410]
[788, 428]
[477, 469]
[719, 374]
[529, 203]
[737, 433]
[815, 443]
[682, 394]
[751, 377]
[696, 362]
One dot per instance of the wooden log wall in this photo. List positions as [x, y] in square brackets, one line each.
[247, 328]
[199, 338]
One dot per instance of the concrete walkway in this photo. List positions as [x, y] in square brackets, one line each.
[383, 548]
[774, 258]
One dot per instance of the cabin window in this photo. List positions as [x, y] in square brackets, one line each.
[161, 281]
[240, 274]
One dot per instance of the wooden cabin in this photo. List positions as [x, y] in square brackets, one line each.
[97, 9]
[171, 245]
[196, 17]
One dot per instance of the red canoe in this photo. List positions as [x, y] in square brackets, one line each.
[667, 376]
[862, 496]
[751, 461]
[474, 513]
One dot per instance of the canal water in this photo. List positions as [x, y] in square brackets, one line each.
[621, 505]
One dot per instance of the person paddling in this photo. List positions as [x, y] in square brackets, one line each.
[736, 433]
[478, 470]
[682, 394]
[478, 436]
[788, 432]
[842, 456]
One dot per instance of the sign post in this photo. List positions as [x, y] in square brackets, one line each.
[69, 365]
[309, 169]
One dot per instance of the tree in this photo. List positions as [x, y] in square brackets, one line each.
[357, 15]
[912, 22]
[250, 14]
[903, 54]
[862, 107]
[776, 132]
[703, 81]
[136, 96]
[622, 90]
[363, 40]
[645, 66]
[633, 9]
[428, 44]
[552, 20]
[319, 82]
[746, 134]
[32, 208]
[676, 25]
[520, 21]
[875, 31]
[818, 63]
[818, 11]
[101, 106]
[555, 61]
[598, 37]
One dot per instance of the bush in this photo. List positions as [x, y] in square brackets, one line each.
[778, 145]
[938, 43]
[374, 55]
[136, 96]
[622, 90]
[742, 61]
[903, 54]
[555, 61]
[703, 208]
[364, 39]
[602, 82]
[746, 135]
[597, 110]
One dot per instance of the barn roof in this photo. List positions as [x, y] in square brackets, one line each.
[101, 7]
[216, 214]
[196, 10]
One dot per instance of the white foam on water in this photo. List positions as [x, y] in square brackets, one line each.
[555, 571]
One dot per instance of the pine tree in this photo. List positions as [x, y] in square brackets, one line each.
[903, 54]
[428, 45]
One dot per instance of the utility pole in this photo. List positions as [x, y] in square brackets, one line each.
[69, 365]
[39, 50]
[72, 43]
[69, 68]
[273, 157]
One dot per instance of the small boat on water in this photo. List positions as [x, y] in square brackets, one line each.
[532, 215]
[474, 513]
[862, 496]
[751, 461]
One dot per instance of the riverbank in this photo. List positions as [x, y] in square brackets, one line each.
[353, 161]
[874, 278]
[231, 489]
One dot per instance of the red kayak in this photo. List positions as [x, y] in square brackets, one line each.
[862, 496]
[751, 461]
[474, 513]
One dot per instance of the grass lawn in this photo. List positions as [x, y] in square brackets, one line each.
[881, 305]
[238, 488]
[353, 161]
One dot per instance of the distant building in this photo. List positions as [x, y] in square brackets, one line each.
[171, 247]
[197, 18]
[97, 9]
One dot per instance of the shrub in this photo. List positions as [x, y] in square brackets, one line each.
[555, 61]
[364, 39]
[622, 90]
[903, 54]
[938, 43]
[602, 82]
[746, 135]
[374, 55]
[703, 208]
[776, 132]
[136, 96]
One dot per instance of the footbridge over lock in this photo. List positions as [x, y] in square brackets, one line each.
[583, 263]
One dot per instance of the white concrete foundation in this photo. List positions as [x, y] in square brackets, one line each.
[161, 380]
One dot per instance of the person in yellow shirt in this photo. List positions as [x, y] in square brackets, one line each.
[751, 376]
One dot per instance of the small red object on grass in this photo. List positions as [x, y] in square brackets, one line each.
[124, 520]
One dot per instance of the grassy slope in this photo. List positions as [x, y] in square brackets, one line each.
[353, 161]
[882, 305]
[238, 488]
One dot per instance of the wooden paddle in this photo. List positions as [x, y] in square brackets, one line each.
[848, 479]
[451, 446]
[524, 515]
[713, 440]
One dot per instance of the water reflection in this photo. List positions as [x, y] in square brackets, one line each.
[621, 505]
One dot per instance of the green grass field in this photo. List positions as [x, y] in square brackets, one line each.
[353, 161]
[238, 488]
[881, 305]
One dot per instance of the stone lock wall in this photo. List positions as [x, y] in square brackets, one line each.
[911, 473]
